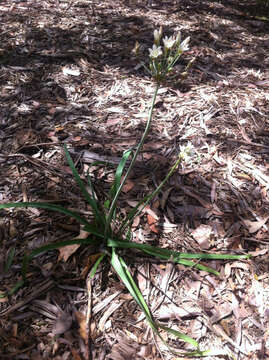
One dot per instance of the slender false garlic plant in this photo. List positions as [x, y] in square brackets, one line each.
[109, 235]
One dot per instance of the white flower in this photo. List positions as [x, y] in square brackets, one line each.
[187, 151]
[184, 46]
[169, 42]
[155, 52]
[178, 38]
[157, 35]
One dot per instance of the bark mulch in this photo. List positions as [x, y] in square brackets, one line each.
[68, 76]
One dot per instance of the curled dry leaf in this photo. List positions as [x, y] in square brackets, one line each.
[202, 234]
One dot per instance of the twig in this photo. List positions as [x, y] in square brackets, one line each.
[48, 284]
[88, 318]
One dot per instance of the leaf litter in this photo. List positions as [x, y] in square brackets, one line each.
[73, 80]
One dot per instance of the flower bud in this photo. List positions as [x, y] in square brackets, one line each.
[136, 48]
[157, 36]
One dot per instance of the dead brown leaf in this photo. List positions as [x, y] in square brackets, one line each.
[81, 319]
[165, 196]
[66, 251]
[75, 354]
[254, 226]
[152, 224]
[203, 234]
[128, 186]
[91, 261]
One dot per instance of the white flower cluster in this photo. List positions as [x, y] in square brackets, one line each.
[164, 54]
[169, 43]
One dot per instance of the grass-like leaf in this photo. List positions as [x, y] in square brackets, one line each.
[118, 174]
[137, 151]
[94, 230]
[47, 206]
[143, 203]
[174, 255]
[53, 246]
[121, 269]
[126, 277]
[177, 257]
[10, 258]
[181, 336]
[95, 266]
[90, 199]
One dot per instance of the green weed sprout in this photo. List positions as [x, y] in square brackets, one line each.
[112, 237]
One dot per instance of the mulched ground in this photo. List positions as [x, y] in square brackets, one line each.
[67, 75]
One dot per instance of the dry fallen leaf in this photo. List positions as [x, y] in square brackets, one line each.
[254, 226]
[69, 71]
[66, 251]
[75, 354]
[128, 186]
[152, 224]
[165, 196]
[202, 234]
[81, 319]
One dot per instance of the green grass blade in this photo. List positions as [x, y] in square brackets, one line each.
[177, 257]
[174, 255]
[143, 203]
[47, 206]
[13, 290]
[137, 151]
[116, 186]
[118, 173]
[91, 200]
[10, 258]
[48, 247]
[121, 269]
[93, 229]
[100, 217]
[129, 234]
[96, 264]
[197, 266]
[180, 335]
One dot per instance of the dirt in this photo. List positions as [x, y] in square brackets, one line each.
[68, 76]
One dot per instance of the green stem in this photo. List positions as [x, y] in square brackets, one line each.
[139, 147]
[146, 200]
